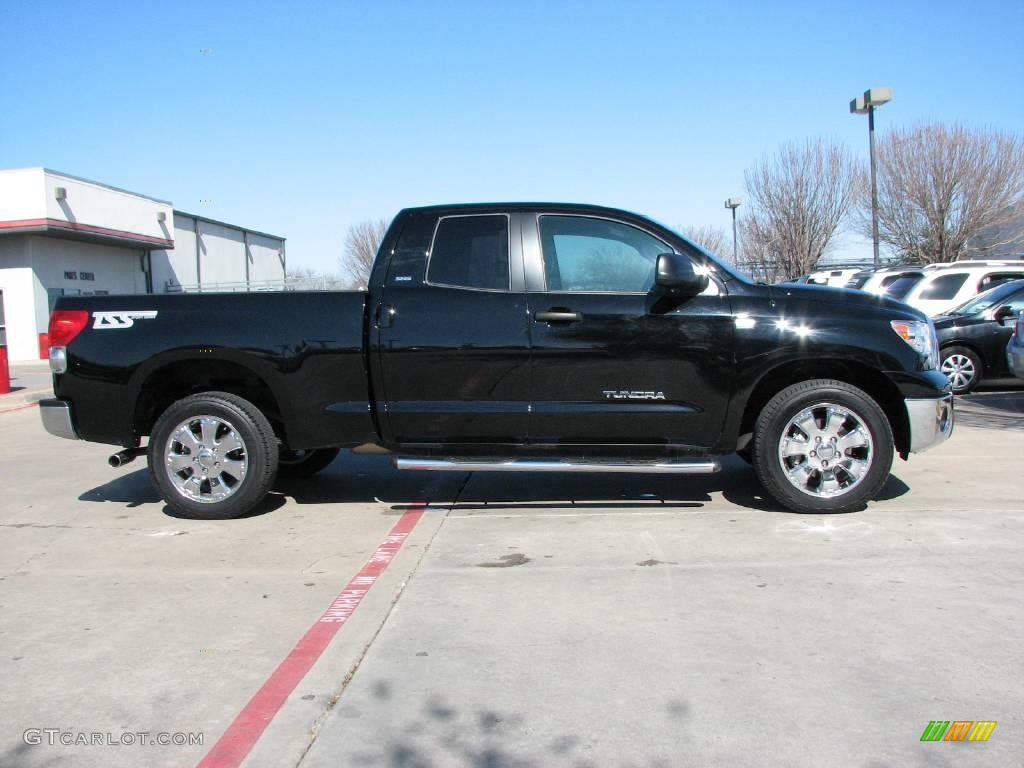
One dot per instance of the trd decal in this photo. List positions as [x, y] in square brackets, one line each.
[632, 394]
[107, 320]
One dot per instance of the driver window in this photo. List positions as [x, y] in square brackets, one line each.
[597, 255]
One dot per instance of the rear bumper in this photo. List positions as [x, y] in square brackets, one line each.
[56, 416]
[931, 421]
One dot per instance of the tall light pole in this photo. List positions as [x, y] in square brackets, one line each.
[873, 97]
[734, 203]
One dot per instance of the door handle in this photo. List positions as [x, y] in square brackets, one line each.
[557, 316]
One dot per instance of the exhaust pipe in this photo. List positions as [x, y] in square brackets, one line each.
[126, 456]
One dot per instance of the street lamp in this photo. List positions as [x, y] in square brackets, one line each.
[734, 203]
[873, 97]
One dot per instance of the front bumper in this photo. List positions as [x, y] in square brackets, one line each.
[931, 421]
[56, 416]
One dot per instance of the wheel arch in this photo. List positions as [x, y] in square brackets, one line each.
[966, 344]
[961, 343]
[875, 383]
[171, 380]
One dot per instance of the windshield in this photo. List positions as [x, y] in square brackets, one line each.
[727, 271]
[983, 301]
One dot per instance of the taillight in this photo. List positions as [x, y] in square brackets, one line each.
[65, 325]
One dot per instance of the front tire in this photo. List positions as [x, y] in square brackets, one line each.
[212, 456]
[962, 367]
[822, 446]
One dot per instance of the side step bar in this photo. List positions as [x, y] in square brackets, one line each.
[697, 467]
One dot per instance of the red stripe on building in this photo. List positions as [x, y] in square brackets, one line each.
[34, 224]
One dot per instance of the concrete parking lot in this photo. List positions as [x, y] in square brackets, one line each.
[525, 620]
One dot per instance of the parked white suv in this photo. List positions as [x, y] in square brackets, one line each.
[834, 277]
[894, 282]
[945, 286]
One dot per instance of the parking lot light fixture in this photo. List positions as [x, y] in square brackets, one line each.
[734, 203]
[865, 105]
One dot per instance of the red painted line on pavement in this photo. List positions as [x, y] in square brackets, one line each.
[252, 721]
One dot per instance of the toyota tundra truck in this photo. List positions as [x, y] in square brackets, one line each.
[521, 337]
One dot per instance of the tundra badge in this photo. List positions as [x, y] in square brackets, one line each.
[631, 394]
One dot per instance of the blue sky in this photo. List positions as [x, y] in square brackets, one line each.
[305, 117]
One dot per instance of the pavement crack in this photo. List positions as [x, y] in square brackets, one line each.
[315, 731]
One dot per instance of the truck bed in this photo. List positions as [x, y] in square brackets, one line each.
[308, 348]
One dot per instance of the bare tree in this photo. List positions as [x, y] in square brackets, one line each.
[798, 199]
[310, 279]
[361, 244]
[941, 186]
[758, 256]
[710, 238]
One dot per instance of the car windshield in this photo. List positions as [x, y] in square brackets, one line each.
[983, 301]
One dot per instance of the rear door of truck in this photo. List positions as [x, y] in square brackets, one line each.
[449, 338]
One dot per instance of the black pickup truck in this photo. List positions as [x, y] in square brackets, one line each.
[506, 337]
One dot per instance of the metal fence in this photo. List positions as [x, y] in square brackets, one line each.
[259, 286]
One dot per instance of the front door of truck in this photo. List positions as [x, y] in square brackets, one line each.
[614, 362]
[452, 348]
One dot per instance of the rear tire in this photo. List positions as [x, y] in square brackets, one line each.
[300, 464]
[212, 456]
[822, 446]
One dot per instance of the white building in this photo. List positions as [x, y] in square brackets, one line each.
[61, 236]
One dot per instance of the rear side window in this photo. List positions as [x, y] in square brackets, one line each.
[890, 279]
[858, 280]
[470, 252]
[943, 287]
[901, 286]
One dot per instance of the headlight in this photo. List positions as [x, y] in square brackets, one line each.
[920, 334]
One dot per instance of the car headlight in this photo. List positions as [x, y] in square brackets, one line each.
[920, 334]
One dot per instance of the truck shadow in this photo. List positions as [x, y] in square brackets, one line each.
[372, 480]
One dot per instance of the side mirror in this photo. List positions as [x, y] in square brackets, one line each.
[1003, 313]
[675, 275]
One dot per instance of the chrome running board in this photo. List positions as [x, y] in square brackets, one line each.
[701, 467]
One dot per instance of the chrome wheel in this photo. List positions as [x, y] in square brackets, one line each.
[205, 459]
[960, 371]
[826, 450]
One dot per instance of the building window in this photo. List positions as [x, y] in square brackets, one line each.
[86, 275]
[70, 275]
